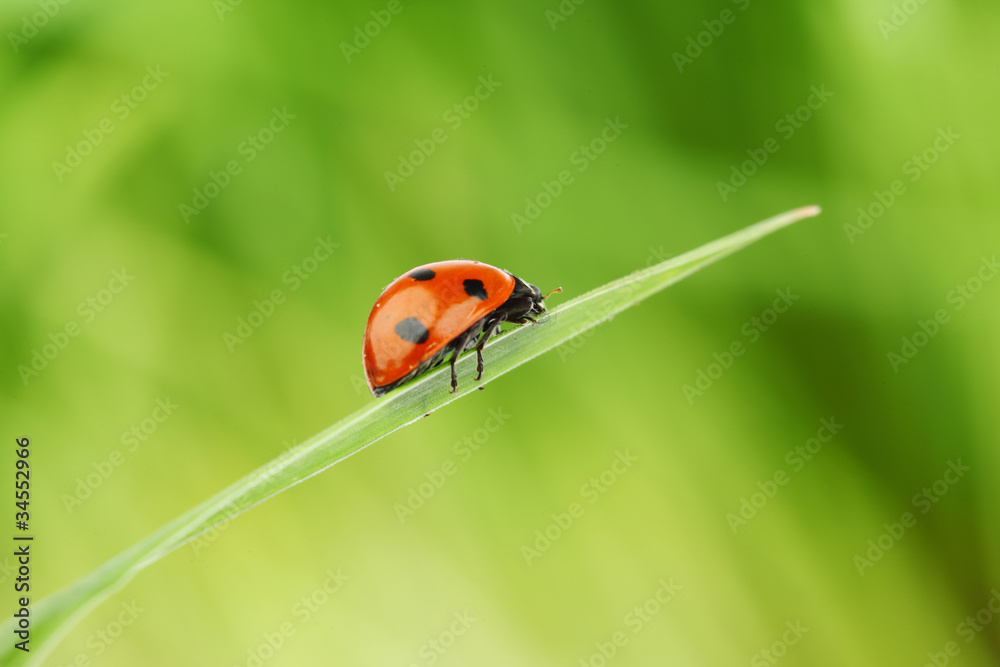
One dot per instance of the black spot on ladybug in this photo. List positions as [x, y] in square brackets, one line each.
[412, 330]
[475, 288]
[422, 274]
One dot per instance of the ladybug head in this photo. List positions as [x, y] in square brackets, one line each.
[523, 289]
[537, 307]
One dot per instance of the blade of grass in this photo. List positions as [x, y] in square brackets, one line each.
[56, 615]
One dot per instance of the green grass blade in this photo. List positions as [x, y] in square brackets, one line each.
[56, 615]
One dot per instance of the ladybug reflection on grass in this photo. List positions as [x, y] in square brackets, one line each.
[439, 309]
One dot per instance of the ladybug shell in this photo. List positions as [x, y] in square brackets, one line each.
[423, 310]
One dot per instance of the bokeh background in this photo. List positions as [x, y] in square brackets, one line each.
[312, 113]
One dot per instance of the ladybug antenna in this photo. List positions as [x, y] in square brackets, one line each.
[551, 291]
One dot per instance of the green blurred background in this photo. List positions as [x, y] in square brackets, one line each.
[201, 83]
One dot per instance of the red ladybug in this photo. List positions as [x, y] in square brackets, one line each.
[437, 309]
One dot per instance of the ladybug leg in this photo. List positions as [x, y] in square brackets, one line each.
[454, 358]
[513, 310]
[479, 361]
[461, 344]
[488, 330]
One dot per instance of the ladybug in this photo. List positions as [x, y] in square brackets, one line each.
[439, 309]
